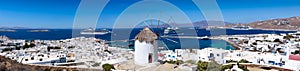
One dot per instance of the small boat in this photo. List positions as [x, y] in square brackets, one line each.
[242, 28]
[38, 31]
[204, 38]
[170, 30]
[91, 31]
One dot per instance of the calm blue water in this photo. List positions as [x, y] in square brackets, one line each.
[128, 34]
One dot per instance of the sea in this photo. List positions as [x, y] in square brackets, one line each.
[123, 37]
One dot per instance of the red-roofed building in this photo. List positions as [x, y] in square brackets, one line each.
[294, 57]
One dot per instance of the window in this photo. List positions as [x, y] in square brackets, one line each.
[26, 59]
[32, 58]
[41, 59]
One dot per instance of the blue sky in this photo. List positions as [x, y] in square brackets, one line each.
[61, 13]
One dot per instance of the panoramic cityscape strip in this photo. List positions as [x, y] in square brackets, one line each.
[149, 35]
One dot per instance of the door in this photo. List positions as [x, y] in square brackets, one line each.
[150, 58]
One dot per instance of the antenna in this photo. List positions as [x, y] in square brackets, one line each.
[146, 22]
[169, 20]
[158, 20]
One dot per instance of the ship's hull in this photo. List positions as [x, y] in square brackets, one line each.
[93, 33]
[242, 28]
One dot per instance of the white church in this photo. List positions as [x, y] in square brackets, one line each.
[145, 47]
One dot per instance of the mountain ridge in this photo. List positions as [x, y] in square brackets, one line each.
[290, 23]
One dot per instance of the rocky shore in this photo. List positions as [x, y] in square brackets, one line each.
[7, 64]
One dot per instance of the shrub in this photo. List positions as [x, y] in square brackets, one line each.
[288, 37]
[297, 52]
[224, 67]
[6, 49]
[231, 61]
[48, 48]
[107, 67]
[202, 66]
[277, 40]
[31, 45]
[244, 61]
[17, 47]
[25, 46]
[174, 62]
[70, 47]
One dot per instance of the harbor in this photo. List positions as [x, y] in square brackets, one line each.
[92, 53]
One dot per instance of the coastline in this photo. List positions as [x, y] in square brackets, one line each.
[228, 41]
[279, 30]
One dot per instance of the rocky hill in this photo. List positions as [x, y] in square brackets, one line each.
[7, 64]
[292, 23]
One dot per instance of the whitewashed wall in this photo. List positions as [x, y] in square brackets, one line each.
[142, 50]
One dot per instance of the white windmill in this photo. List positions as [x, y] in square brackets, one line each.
[146, 44]
[146, 48]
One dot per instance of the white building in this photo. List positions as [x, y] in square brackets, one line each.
[208, 54]
[145, 47]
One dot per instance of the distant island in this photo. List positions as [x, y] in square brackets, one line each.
[291, 23]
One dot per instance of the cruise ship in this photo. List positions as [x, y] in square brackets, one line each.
[91, 31]
[242, 28]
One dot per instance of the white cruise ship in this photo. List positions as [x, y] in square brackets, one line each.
[91, 31]
[242, 28]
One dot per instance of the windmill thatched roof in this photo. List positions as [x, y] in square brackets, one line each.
[146, 35]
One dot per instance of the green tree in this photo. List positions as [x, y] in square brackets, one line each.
[224, 67]
[231, 61]
[31, 45]
[244, 61]
[107, 67]
[202, 66]
[25, 46]
[296, 52]
[288, 37]
[17, 47]
[175, 62]
[6, 49]
[277, 40]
